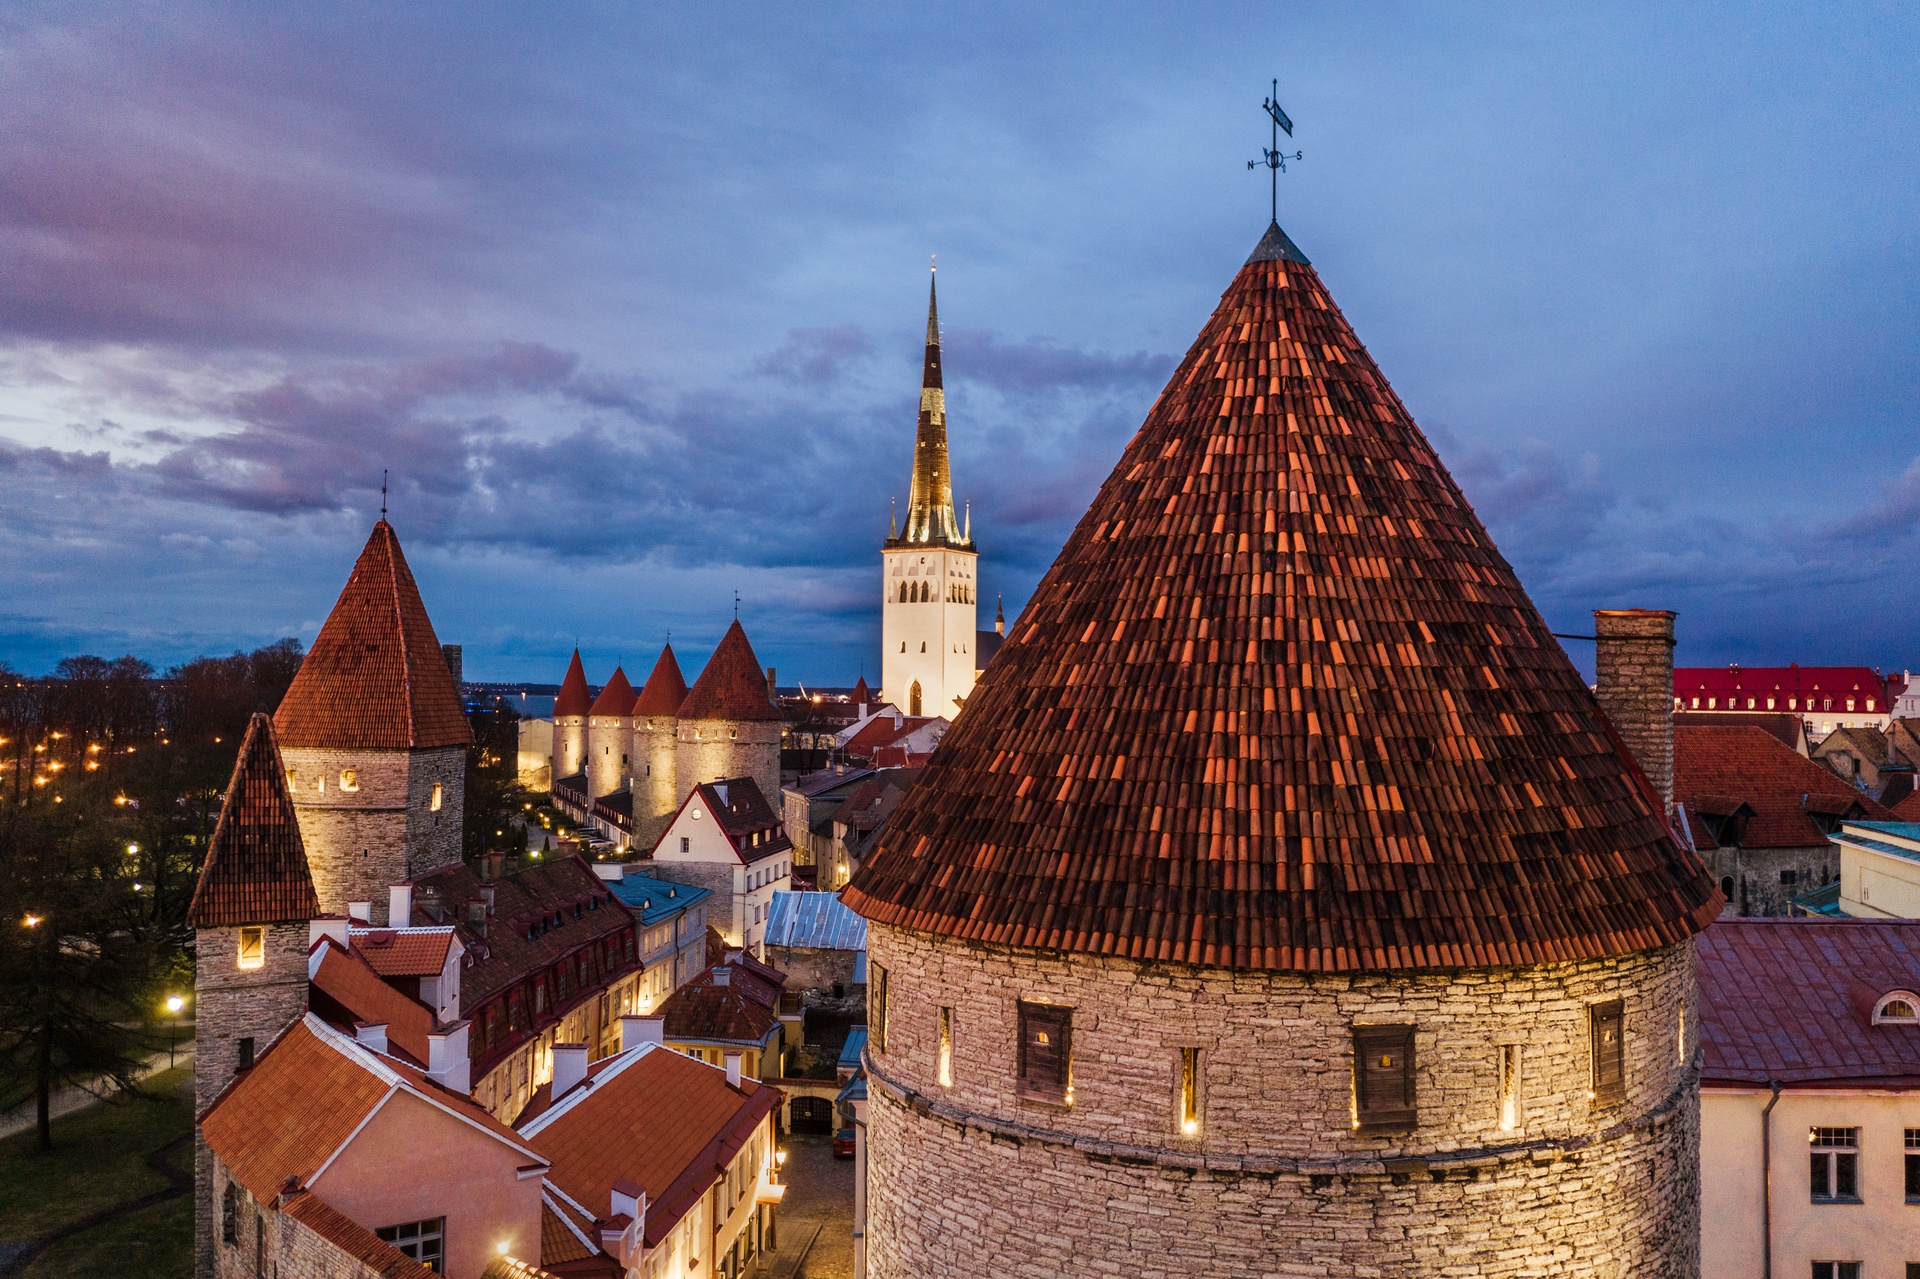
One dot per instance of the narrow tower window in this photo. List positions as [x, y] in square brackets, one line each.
[1509, 1087]
[433, 803]
[1189, 1116]
[350, 779]
[1607, 1023]
[913, 694]
[1383, 1097]
[946, 1047]
[1046, 1052]
[253, 947]
[877, 1007]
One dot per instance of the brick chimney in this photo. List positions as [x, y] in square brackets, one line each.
[1634, 666]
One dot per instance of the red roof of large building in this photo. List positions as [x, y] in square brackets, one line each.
[1793, 999]
[1280, 703]
[375, 677]
[404, 952]
[1756, 682]
[573, 698]
[617, 698]
[665, 689]
[347, 989]
[1715, 768]
[732, 686]
[256, 870]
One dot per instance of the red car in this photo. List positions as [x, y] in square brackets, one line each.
[843, 1144]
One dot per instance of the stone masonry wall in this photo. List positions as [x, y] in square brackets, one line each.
[231, 1004]
[434, 838]
[291, 1249]
[1633, 664]
[609, 741]
[656, 795]
[973, 1179]
[1755, 872]
[710, 748]
[359, 843]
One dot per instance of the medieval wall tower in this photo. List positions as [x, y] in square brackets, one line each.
[250, 915]
[570, 722]
[1281, 903]
[656, 745]
[928, 602]
[610, 737]
[728, 725]
[374, 739]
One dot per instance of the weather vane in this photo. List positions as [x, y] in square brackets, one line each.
[1276, 159]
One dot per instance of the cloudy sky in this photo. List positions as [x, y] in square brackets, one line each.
[628, 300]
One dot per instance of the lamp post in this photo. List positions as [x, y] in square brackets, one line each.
[174, 1005]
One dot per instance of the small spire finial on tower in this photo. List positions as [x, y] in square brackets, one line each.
[893, 518]
[966, 530]
[736, 606]
[383, 492]
[1275, 159]
[999, 616]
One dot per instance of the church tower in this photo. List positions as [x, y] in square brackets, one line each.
[250, 915]
[374, 739]
[570, 722]
[656, 727]
[927, 569]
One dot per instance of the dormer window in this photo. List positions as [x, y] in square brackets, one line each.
[1897, 1008]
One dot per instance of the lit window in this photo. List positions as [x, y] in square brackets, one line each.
[253, 947]
[1046, 1052]
[350, 779]
[1712, 702]
[293, 780]
[877, 1007]
[1189, 1106]
[1509, 1087]
[1606, 1025]
[424, 1241]
[1793, 703]
[1696, 703]
[1770, 703]
[433, 803]
[946, 1048]
[1869, 703]
[1834, 1164]
[1897, 1006]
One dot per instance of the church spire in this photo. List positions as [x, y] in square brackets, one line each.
[930, 503]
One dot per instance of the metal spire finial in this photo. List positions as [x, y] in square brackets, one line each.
[1276, 160]
[736, 606]
[383, 492]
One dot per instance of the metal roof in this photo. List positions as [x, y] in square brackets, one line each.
[653, 899]
[855, 1045]
[818, 921]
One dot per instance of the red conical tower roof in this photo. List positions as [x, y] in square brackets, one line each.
[256, 870]
[862, 696]
[616, 698]
[1281, 704]
[375, 677]
[574, 698]
[666, 688]
[732, 686]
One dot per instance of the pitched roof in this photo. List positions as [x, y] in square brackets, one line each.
[732, 686]
[374, 1254]
[665, 689]
[1713, 766]
[653, 1117]
[504, 1267]
[403, 952]
[617, 698]
[655, 899]
[1795, 679]
[1908, 809]
[255, 870]
[742, 813]
[820, 921]
[375, 677]
[739, 1012]
[1792, 999]
[1281, 703]
[573, 698]
[344, 986]
[880, 730]
[1868, 744]
[861, 693]
[1785, 725]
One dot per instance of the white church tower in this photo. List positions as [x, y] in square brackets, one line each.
[927, 617]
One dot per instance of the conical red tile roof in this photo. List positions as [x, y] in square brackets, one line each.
[617, 697]
[256, 870]
[732, 686]
[862, 695]
[375, 677]
[666, 688]
[1281, 704]
[574, 698]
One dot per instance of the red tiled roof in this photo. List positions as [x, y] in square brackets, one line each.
[735, 1013]
[1714, 766]
[1281, 703]
[1792, 999]
[505, 1267]
[558, 1244]
[349, 988]
[861, 694]
[573, 698]
[1785, 725]
[665, 689]
[1784, 681]
[255, 871]
[733, 686]
[617, 698]
[370, 1250]
[403, 952]
[880, 731]
[663, 1121]
[375, 677]
[744, 812]
[1908, 809]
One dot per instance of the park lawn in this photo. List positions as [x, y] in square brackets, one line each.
[98, 1160]
[154, 1243]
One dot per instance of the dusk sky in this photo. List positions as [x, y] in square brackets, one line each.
[629, 300]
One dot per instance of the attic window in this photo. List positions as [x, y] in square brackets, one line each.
[1897, 1007]
[293, 780]
[349, 779]
[253, 948]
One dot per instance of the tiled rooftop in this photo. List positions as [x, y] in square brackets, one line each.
[1789, 728]
[617, 698]
[1714, 768]
[404, 952]
[573, 698]
[255, 870]
[666, 688]
[733, 686]
[375, 677]
[375, 1255]
[1281, 703]
[346, 990]
[744, 812]
[744, 1011]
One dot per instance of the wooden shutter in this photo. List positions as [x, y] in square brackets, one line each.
[1608, 1023]
[1046, 1051]
[1383, 1077]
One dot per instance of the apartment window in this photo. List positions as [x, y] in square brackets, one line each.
[1383, 1078]
[433, 801]
[350, 779]
[946, 1050]
[1188, 1108]
[1834, 1165]
[253, 948]
[1046, 1052]
[1913, 1167]
[1509, 1087]
[1606, 1024]
[424, 1241]
[877, 1006]
[1848, 1270]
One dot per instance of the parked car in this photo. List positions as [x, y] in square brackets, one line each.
[843, 1144]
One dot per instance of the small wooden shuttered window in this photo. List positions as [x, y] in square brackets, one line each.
[1046, 1052]
[1383, 1077]
[1609, 1053]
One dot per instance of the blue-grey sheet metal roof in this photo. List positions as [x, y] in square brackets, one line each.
[859, 967]
[856, 1044]
[856, 1090]
[1901, 830]
[655, 899]
[818, 921]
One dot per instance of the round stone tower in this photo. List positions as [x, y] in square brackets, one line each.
[610, 736]
[570, 722]
[655, 747]
[1281, 903]
[728, 725]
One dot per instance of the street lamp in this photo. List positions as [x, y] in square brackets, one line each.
[174, 1005]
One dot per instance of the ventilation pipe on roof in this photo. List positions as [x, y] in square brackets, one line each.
[733, 1070]
[400, 906]
[1633, 660]
[362, 911]
[635, 1031]
[569, 1068]
[373, 1034]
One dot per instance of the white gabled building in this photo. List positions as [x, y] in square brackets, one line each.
[728, 839]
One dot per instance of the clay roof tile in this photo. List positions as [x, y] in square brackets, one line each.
[666, 688]
[574, 698]
[617, 698]
[255, 870]
[732, 687]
